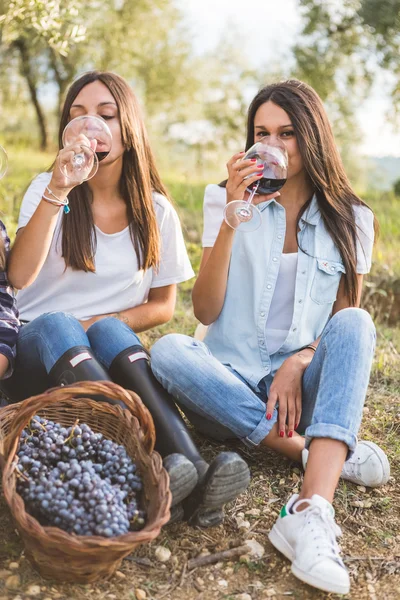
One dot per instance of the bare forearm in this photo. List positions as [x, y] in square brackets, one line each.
[140, 318]
[32, 245]
[4, 364]
[209, 290]
[146, 316]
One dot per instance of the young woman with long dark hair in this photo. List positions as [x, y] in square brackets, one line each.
[288, 351]
[92, 278]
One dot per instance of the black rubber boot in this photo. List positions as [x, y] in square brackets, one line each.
[228, 475]
[80, 364]
[131, 369]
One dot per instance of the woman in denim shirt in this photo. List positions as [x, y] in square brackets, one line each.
[287, 351]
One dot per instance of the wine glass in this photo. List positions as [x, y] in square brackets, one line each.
[272, 154]
[3, 162]
[84, 164]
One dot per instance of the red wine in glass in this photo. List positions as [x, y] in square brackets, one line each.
[269, 186]
[273, 155]
[79, 133]
[102, 155]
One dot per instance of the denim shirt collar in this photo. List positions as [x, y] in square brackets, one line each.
[311, 216]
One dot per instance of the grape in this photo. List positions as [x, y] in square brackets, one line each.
[77, 480]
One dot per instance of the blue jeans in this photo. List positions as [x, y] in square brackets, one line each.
[223, 404]
[47, 338]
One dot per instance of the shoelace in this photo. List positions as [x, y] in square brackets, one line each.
[324, 532]
[352, 467]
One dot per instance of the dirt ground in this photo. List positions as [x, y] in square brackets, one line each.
[370, 520]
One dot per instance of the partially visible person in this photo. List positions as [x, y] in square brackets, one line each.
[9, 322]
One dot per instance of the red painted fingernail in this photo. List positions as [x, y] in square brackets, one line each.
[290, 434]
[260, 166]
[260, 174]
[269, 416]
[296, 425]
[281, 434]
[253, 160]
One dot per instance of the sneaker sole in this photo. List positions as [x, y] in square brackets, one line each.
[225, 483]
[381, 456]
[279, 542]
[318, 583]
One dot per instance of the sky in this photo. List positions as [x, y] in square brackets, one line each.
[268, 28]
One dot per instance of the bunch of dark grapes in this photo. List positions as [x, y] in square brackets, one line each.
[77, 480]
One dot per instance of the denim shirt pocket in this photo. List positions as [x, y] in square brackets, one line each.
[326, 281]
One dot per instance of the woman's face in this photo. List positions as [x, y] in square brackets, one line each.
[272, 121]
[96, 99]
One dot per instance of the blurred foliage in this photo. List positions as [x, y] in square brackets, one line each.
[195, 105]
[343, 43]
[46, 43]
[396, 188]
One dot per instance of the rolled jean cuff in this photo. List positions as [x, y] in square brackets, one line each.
[261, 431]
[333, 432]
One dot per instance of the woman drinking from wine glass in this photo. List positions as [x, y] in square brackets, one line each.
[288, 351]
[97, 257]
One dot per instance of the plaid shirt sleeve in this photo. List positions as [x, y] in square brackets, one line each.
[9, 323]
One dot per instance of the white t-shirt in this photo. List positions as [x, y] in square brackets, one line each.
[213, 209]
[280, 313]
[117, 284]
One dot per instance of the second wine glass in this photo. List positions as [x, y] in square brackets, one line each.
[78, 134]
[272, 154]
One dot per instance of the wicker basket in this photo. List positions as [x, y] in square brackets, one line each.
[53, 552]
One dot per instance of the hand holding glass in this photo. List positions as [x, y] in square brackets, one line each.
[272, 154]
[90, 140]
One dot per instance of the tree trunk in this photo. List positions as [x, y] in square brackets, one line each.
[64, 71]
[27, 72]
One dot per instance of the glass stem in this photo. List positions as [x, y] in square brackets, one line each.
[253, 193]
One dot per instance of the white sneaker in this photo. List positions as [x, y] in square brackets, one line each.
[308, 539]
[368, 466]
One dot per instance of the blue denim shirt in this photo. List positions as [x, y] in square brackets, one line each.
[9, 323]
[237, 338]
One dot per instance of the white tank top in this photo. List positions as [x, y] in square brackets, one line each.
[282, 304]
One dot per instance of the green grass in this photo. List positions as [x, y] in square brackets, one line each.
[23, 166]
[370, 531]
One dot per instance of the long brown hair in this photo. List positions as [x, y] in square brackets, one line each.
[139, 179]
[323, 164]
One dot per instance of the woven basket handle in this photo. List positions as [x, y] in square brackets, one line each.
[85, 388]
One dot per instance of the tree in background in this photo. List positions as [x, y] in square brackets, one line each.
[332, 55]
[46, 43]
[343, 42]
[396, 188]
[33, 32]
